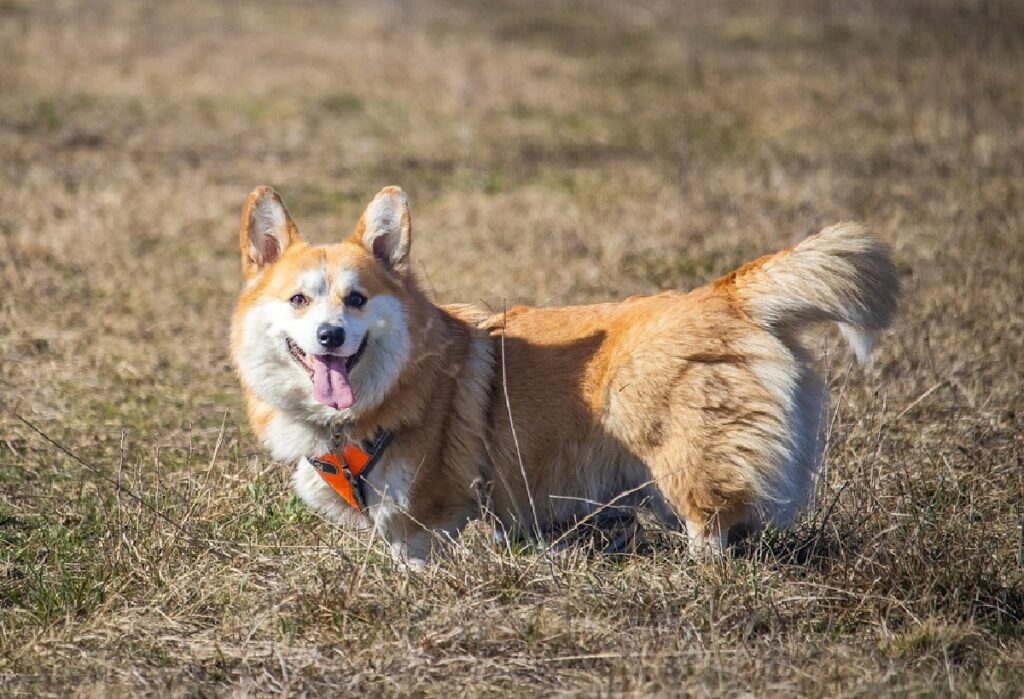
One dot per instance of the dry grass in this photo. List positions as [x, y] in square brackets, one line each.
[554, 153]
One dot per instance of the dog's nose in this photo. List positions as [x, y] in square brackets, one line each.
[330, 336]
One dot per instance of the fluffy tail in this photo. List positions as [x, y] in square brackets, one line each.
[843, 274]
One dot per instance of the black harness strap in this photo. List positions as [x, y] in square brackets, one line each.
[375, 449]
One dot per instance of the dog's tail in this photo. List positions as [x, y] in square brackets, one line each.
[843, 274]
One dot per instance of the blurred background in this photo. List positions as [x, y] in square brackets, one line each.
[554, 153]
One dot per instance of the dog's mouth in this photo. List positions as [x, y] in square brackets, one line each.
[329, 374]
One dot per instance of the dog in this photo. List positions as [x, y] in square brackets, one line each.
[415, 418]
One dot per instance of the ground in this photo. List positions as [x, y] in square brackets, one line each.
[554, 153]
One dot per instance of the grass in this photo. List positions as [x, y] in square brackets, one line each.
[554, 153]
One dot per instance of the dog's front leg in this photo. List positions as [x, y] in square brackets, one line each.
[413, 553]
[413, 544]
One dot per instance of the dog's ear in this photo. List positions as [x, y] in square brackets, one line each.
[385, 229]
[267, 231]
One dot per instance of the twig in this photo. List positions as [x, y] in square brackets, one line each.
[511, 424]
[209, 469]
[914, 403]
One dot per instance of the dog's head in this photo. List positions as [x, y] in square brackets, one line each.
[323, 331]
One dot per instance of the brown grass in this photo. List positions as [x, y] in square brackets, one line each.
[554, 153]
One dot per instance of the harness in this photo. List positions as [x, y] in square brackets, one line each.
[346, 468]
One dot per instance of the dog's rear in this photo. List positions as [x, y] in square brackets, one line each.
[842, 274]
[708, 395]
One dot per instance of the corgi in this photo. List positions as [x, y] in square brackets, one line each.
[701, 406]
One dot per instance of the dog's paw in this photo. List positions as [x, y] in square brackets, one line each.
[706, 546]
[407, 555]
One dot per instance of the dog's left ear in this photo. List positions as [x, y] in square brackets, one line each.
[267, 230]
[385, 229]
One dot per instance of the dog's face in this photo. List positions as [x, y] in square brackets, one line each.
[323, 331]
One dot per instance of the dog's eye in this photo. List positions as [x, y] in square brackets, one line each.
[355, 299]
[299, 300]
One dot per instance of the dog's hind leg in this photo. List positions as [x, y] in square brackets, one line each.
[710, 498]
[707, 541]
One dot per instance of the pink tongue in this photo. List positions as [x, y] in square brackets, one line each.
[330, 381]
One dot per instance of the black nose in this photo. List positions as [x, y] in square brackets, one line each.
[330, 336]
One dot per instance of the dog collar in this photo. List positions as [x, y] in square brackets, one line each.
[346, 467]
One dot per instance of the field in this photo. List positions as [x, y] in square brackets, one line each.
[554, 153]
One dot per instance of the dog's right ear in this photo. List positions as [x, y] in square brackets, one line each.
[267, 231]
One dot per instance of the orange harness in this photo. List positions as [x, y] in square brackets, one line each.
[346, 469]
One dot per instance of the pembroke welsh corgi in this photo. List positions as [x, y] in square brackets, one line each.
[416, 418]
